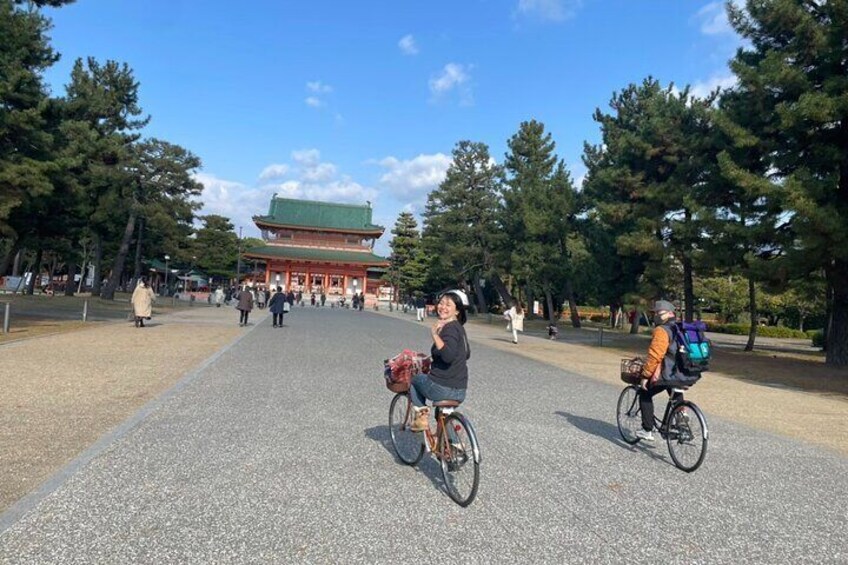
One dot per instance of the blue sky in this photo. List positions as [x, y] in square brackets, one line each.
[351, 101]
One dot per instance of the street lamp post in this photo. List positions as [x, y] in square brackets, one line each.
[167, 258]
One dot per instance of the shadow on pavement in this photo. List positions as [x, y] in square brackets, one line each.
[428, 466]
[610, 433]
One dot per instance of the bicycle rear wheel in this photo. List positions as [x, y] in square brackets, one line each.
[627, 414]
[687, 436]
[460, 459]
[408, 445]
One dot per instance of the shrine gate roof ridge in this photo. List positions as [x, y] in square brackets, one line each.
[315, 214]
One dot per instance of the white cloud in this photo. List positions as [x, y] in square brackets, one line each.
[318, 87]
[306, 157]
[407, 45]
[273, 171]
[316, 90]
[713, 18]
[234, 200]
[414, 178]
[453, 76]
[311, 179]
[549, 10]
[320, 172]
[703, 88]
[339, 190]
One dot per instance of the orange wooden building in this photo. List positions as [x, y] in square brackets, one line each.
[320, 247]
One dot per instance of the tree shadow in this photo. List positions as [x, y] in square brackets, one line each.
[428, 466]
[609, 432]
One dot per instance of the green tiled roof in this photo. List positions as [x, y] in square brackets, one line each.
[312, 254]
[314, 214]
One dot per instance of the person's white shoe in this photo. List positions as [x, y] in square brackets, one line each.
[645, 435]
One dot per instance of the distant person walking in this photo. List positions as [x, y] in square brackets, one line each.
[142, 302]
[323, 299]
[219, 297]
[515, 315]
[277, 306]
[420, 305]
[245, 305]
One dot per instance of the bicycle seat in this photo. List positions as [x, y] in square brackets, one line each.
[447, 403]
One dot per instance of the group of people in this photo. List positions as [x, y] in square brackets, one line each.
[448, 377]
[278, 302]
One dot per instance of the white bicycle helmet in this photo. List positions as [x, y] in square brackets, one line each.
[463, 298]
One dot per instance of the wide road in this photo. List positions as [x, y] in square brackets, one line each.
[279, 451]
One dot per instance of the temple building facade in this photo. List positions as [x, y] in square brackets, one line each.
[321, 247]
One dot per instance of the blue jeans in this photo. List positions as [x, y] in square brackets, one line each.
[423, 388]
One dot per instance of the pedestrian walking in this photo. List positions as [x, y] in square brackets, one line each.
[260, 298]
[219, 297]
[515, 315]
[277, 307]
[245, 305]
[312, 299]
[142, 302]
[323, 299]
[290, 298]
[420, 304]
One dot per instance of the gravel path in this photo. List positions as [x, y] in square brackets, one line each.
[279, 451]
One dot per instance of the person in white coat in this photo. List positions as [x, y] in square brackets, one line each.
[515, 315]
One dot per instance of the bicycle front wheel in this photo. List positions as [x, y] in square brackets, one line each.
[408, 445]
[460, 459]
[628, 415]
[687, 436]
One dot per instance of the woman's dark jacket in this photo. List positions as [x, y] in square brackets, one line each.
[449, 366]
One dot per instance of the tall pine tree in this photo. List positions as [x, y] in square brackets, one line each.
[795, 66]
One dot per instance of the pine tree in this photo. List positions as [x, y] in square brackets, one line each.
[216, 247]
[161, 179]
[102, 109]
[646, 184]
[461, 233]
[538, 216]
[25, 144]
[406, 271]
[796, 69]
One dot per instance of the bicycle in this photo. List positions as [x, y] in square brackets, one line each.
[683, 425]
[453, 442]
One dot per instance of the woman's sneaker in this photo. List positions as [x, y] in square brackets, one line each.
[645, 435]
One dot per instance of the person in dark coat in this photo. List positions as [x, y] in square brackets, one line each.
[276, 307]
[290, 298]
[245, 305]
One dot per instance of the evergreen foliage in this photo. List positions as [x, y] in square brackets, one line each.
[795, 70]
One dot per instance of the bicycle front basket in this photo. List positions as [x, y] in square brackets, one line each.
[631, 370]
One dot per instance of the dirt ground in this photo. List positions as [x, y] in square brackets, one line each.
[802, 399]
[62, 392]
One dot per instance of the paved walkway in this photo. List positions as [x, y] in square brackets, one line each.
[279, 451]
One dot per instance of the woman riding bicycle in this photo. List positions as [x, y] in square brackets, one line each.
[448, 378]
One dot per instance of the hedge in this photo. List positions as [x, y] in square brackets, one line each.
[763, 331]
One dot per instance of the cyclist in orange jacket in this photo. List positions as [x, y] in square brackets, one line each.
[659, 366]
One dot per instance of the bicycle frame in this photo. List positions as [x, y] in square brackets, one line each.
[662, 425]
[434, 440]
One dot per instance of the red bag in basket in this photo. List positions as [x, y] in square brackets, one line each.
[399, 370]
